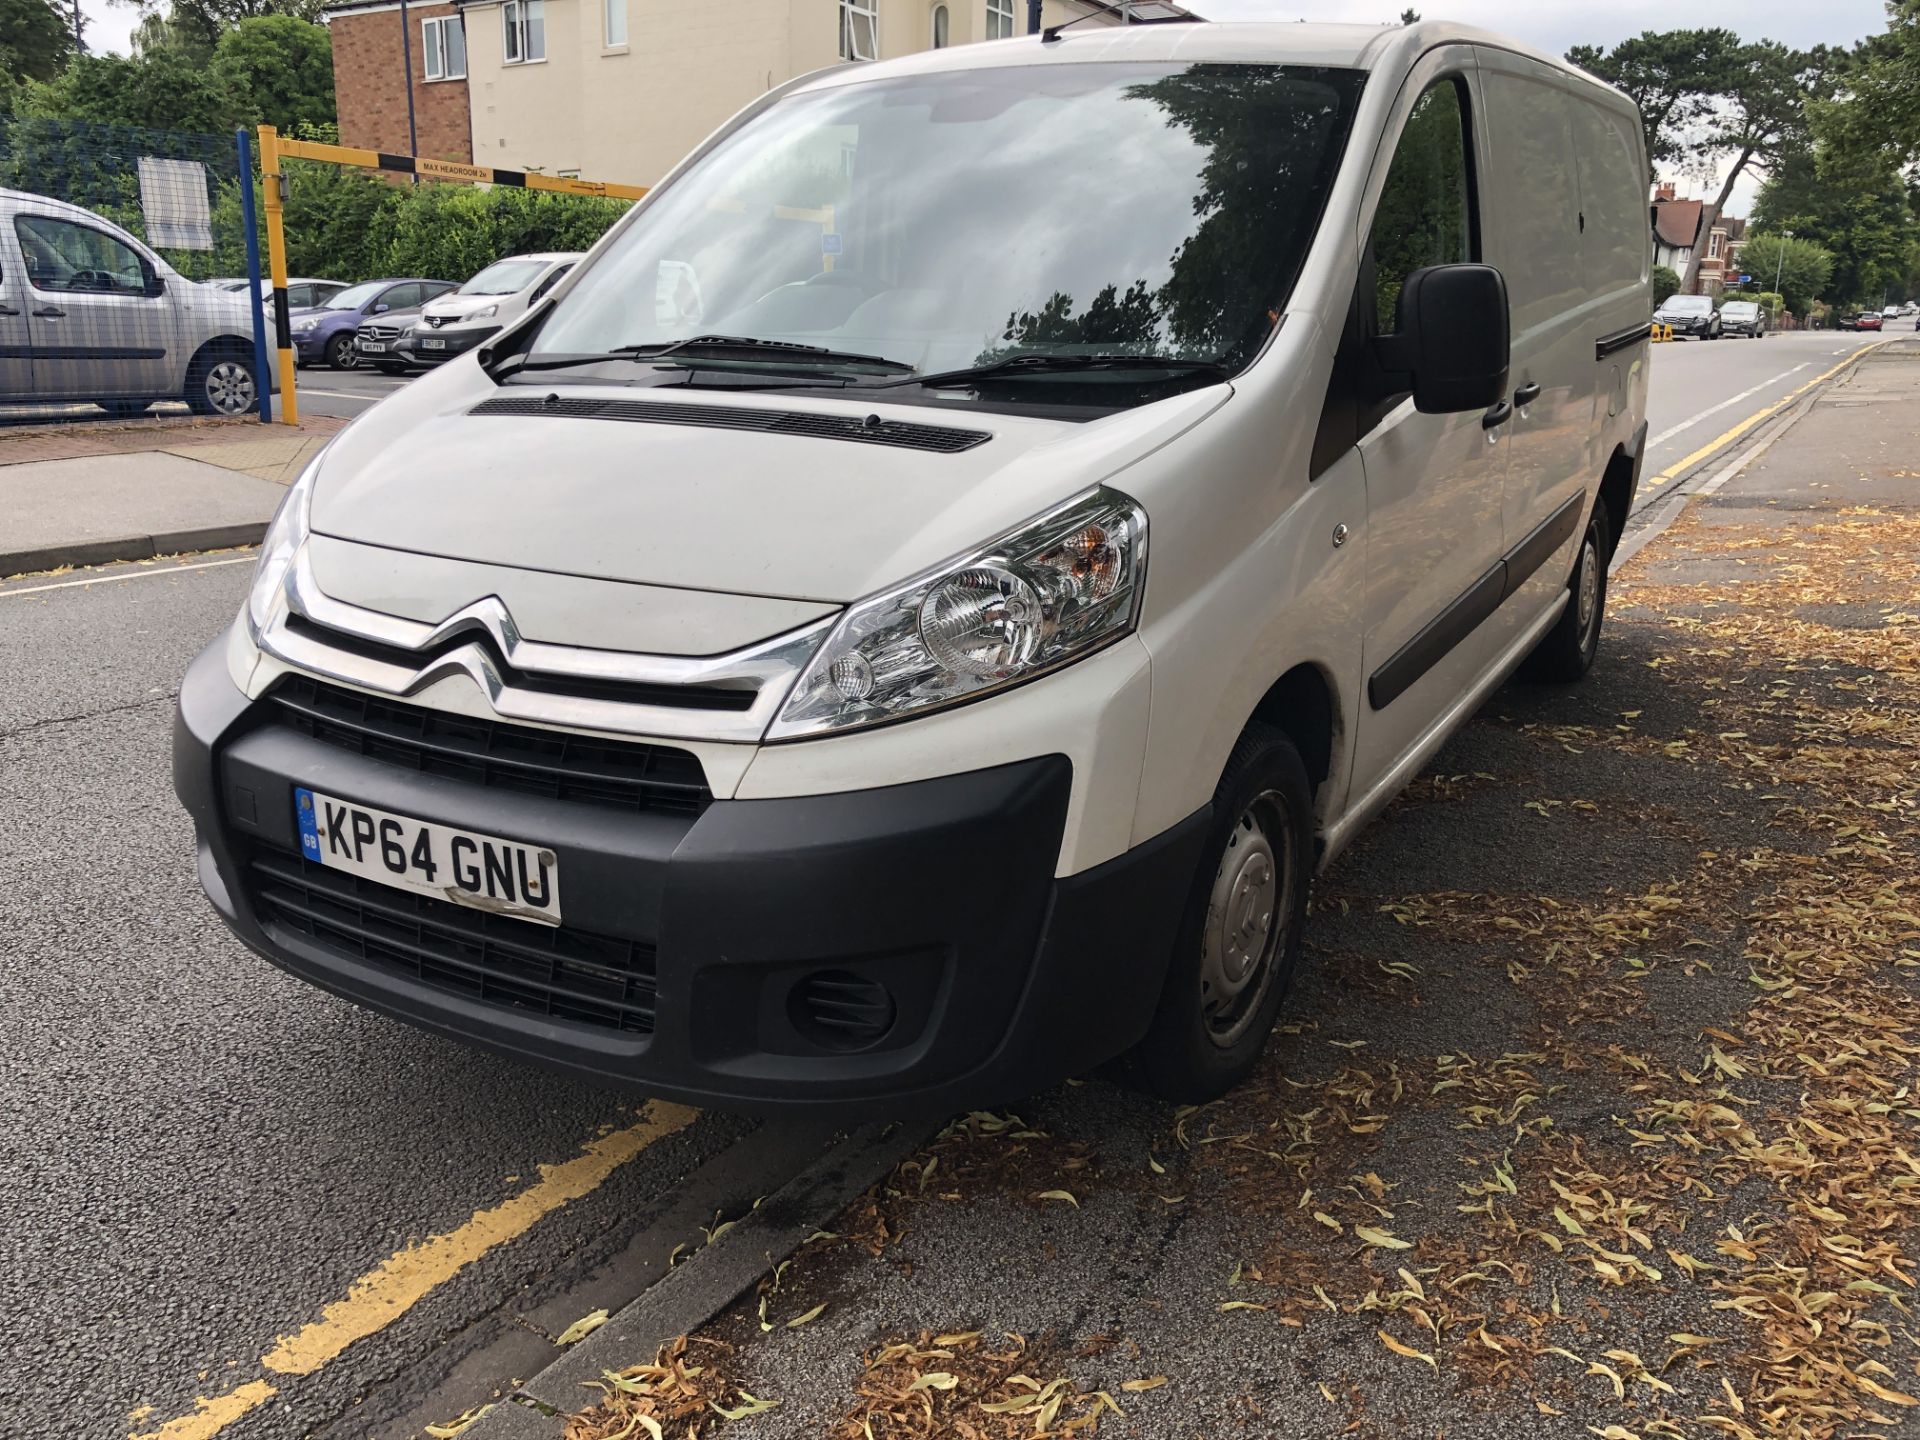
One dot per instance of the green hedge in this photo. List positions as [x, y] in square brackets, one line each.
[345, 225]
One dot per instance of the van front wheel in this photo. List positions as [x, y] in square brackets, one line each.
[1566, 651]
[1239, 938]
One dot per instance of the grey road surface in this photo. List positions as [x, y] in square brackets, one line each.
[204, 1154]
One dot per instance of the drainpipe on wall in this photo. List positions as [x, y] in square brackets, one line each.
[406, 58]
[1033, 16]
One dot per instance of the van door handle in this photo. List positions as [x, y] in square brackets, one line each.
[48, 312]
[1526, 394]
[8, 310]
[1497, 415]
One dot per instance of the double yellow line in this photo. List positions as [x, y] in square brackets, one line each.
[1720, 442]
[389, 1290]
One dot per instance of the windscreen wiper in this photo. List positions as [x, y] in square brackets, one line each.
[747, 348]
[1039, 363]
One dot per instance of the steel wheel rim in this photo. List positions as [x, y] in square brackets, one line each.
[1247, 912]
[1588, 595]
[230, 387]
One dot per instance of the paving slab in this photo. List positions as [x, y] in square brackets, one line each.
[96, 509]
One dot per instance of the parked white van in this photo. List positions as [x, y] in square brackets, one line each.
[480, 309]
[87, 312]
[1072, 485]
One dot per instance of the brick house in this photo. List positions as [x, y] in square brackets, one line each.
[371, 41]
[1676, 230]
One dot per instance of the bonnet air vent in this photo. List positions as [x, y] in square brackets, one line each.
[940, 439]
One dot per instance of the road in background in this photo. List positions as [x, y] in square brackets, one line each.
[1701, 389]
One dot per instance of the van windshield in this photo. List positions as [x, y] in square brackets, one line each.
[504, 277]
[1688, 305]
[961, 219]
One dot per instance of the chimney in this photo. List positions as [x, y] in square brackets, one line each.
[1665, 192]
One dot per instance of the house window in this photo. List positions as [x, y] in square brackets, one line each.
[999, 19]
[1713, 246]
[526, 30]
[443, 48]
[616, 14]
[942, 27]
[859, 29]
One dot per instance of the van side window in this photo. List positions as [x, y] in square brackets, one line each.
[1426, 209]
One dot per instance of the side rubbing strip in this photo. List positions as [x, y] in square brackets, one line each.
[1534, 551]
[1483, 597]
[1443, 632]
[1621, 339]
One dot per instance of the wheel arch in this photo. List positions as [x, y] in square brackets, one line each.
[1616, 491]
[1301, 704]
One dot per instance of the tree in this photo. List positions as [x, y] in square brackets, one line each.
[154, 92]
[283, 68]
[1670, 75]
[1877, 109]
[1854, 206]
[1803, 269]
[1760, 114]
[34, 40]
[195, 26]
[1666, 284]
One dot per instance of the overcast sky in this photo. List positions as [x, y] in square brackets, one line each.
[1551, 25]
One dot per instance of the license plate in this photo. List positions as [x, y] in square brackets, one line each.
[433, 344]
[374, 347]
[482, 871]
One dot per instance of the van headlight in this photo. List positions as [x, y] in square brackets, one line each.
[1037, 598]
[282, 543]
[483, 312]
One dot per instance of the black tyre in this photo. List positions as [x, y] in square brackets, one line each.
[1565, 653]
[1239, 939]
[340, 352]
[125, 409]
[390, 367]
[222, 382]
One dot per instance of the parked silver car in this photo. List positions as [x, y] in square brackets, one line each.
[87, 312]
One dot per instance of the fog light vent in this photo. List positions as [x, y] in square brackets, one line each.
[839, 1010]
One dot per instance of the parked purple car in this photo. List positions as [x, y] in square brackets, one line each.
[324, 334]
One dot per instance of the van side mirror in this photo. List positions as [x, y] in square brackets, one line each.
[1450, 344]
[156, 283]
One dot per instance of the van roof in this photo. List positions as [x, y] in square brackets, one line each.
[1366, 47]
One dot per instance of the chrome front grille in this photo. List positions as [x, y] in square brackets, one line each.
[731, 698]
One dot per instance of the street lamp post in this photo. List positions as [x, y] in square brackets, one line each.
[1781, 268]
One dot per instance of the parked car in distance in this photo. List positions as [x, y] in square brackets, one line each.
[377, 341]
[824, 692]
[1890, 312]
[1743, 317]
[485, 305]
[301, 294]
[325, 334]
[1692, 315]
[1869, 320]
[87, 312]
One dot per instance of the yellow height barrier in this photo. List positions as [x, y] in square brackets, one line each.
[273, 150]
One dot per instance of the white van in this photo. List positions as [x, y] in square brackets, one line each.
[480, 309]
[87, 312]
[907, 618]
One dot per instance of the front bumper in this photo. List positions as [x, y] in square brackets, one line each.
[938, 896]
[417, 346]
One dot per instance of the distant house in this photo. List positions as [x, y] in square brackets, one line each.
[1676, 231]
[620, 89]
[400, 77]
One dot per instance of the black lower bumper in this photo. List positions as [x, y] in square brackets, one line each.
[747, 934]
